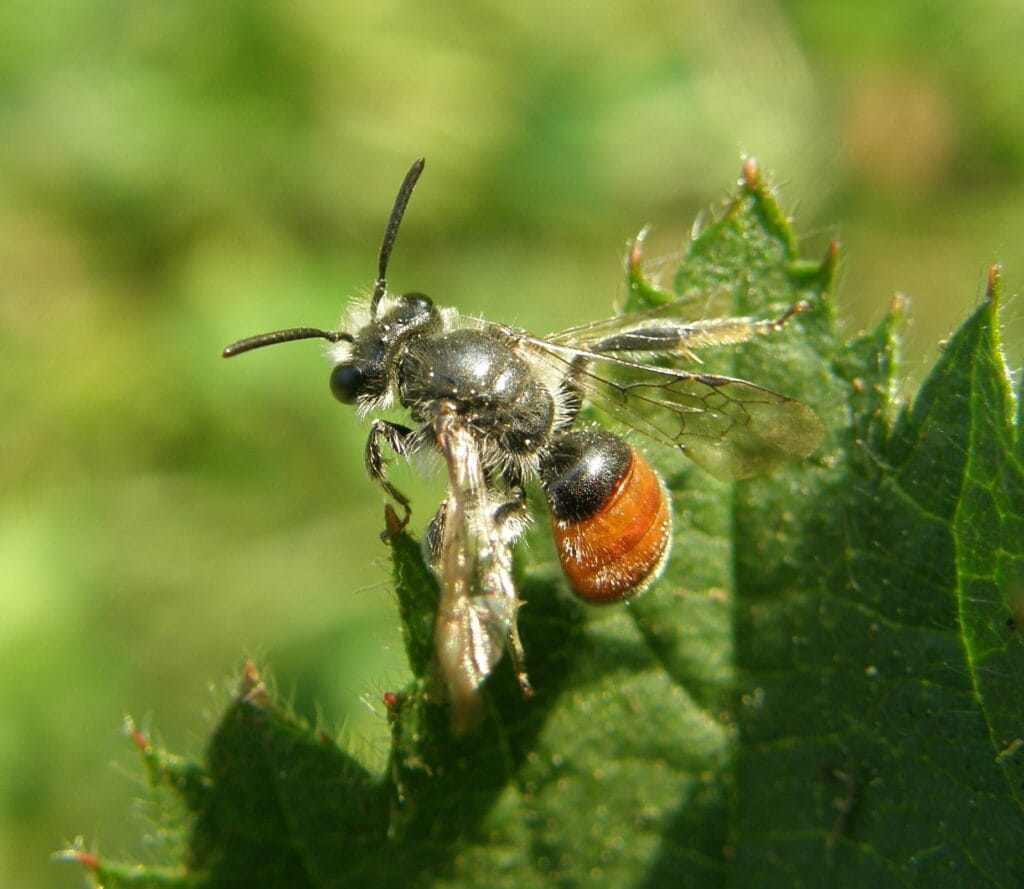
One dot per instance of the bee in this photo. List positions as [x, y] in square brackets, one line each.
[503, 409]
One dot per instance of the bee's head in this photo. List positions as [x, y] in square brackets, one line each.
[365, 361]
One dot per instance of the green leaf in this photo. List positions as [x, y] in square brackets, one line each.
[880, 700]
[824, 688]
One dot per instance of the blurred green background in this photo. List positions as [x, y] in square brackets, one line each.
[174, 176]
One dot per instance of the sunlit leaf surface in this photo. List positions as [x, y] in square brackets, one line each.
[824, 689]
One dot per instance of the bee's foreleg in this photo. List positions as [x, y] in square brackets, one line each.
[400, 440]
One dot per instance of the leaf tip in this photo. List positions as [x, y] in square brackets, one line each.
[251, 688]
[831, 260]
[76, 854]
[994, 290]
[634, 263]
[898, 306]
[393, 525]
[138, 737]
[751, 174]
[642, 293]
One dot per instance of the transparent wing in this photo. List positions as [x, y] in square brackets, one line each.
[678, 327]
[477, 612]
[686, 309]
[732, 428]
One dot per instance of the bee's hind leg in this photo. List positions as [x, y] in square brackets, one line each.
[510, 518]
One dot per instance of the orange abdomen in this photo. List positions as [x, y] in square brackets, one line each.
[617, 552]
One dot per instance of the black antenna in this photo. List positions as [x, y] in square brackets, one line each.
[285, 336]
[391, 232]
[379, 287]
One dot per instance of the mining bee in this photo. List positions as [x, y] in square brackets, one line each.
[502, 408]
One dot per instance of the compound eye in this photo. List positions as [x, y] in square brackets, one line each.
[347, 382]
[418, 303]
